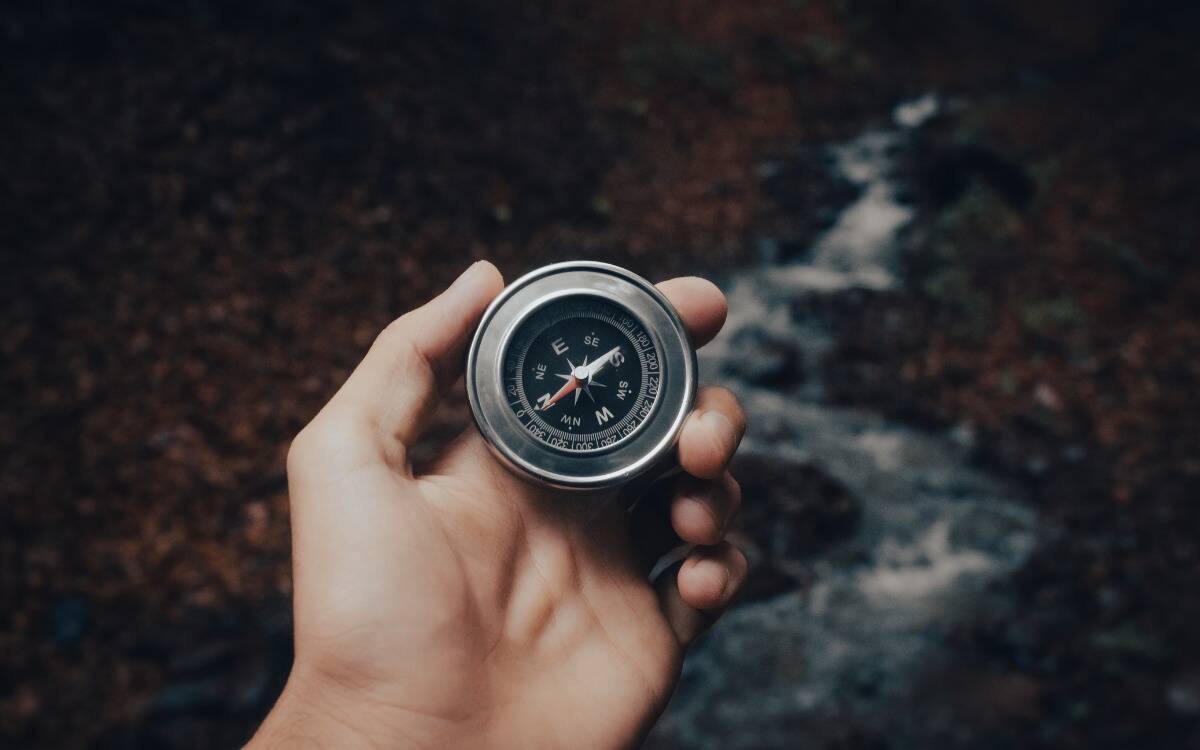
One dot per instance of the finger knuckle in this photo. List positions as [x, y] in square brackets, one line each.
[393, 333]
[398, 344]
[324, 438]
[300, 450]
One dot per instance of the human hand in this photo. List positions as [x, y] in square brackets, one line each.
[465, 608]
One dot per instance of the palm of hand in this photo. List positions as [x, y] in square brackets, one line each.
[464, 607]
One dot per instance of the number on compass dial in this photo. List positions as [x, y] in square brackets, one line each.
[582, 374]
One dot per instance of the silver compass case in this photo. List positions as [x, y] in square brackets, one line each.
[510, 419]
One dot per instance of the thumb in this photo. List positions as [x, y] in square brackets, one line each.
[417, 357]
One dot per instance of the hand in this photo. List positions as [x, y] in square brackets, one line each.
[464, 608]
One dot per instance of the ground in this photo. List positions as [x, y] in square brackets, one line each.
[209, 211]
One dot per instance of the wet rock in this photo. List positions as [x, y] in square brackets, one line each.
[873, 337]
[762, 359]
[190, 697]
[767, 249]
[984, 699]
[1076, 27]
[1046, 396]
[831, 307]
[1131, 642]
[1030, 446]
[231, 665]
[1183, 695]
[67, 620]
[241, 677]
[766, 580]
[790, 510]
[807, 189]
[942, 168]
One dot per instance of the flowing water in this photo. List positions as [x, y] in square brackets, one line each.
[857, 647]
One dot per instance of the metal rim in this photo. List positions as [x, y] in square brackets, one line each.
[653, 442]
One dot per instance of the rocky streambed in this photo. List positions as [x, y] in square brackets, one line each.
[869, 540]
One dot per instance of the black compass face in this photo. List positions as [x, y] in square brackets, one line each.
[582, 374]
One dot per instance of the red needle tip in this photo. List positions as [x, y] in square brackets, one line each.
[570, 385]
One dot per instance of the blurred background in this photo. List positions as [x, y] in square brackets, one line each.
[960, 243]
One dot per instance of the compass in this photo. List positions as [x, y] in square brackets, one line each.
[580, 376]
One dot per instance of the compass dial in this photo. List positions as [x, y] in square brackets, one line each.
[582, 374]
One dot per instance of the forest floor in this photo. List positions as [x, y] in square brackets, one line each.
[208, 212]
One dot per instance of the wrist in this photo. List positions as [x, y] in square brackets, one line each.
[312, 715]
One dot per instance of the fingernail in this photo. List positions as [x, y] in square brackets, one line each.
[722, 428]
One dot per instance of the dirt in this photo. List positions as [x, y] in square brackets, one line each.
[208, 212]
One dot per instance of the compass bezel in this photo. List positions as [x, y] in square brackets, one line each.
[651, 443]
